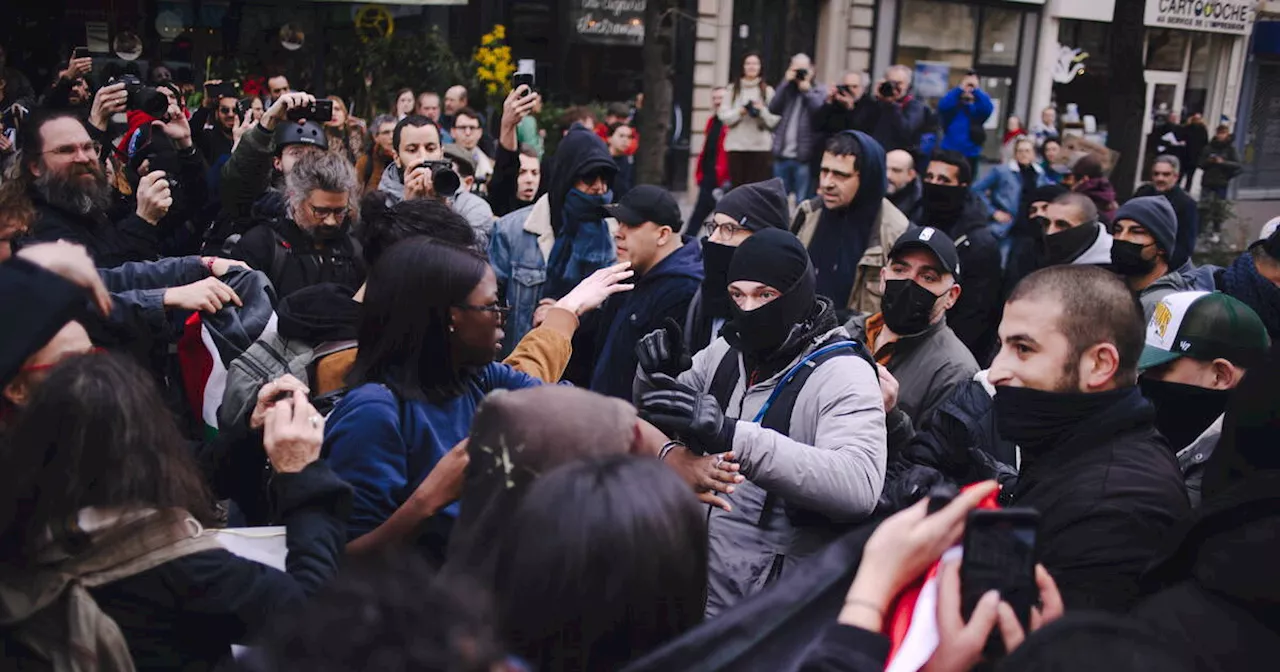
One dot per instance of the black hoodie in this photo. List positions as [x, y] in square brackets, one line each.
[580, 151]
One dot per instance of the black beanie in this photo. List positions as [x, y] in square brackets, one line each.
[773, 257]
[757, 206]
[1156, 216]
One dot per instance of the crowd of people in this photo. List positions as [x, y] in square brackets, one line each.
[513, 412]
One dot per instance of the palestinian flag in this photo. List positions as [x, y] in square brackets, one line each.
[204, 369]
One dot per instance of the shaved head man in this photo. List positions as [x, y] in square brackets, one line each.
[901, 169]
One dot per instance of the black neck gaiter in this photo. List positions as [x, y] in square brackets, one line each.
[1183, 412]
[1038, 421]
[715, 279]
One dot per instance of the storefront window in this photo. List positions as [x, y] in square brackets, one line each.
[938, 32]
[1166, 49]
[1206, 50]
[1088, 87]
[999, 43]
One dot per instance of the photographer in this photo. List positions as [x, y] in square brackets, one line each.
[511, 168]
[896, 119]
[267, 149]
[796, 101]
[963, 111]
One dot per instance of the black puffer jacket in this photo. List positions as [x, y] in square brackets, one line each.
[109, 243]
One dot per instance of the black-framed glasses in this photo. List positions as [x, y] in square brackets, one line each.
[727, 229]
[322, 214]
[466, 127]
[499, 309]
[92, 149]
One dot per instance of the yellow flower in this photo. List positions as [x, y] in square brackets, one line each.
[500, 31]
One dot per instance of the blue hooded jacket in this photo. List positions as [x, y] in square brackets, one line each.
[840, 238]
[665, 291]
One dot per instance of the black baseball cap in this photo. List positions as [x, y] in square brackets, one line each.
[647, 203]
[934, 240]
[1204, 326]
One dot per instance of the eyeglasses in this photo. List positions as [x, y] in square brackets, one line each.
[727, 230]
[467, 127]
[594, 176]
[50, 365]
[499, 309]
[322, 214]
[226, 110]
[66, 151]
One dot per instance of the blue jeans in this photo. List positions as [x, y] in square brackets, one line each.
[795, 176]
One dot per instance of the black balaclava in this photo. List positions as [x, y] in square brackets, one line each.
[1066, 246]
[778, 259]
[756, 206]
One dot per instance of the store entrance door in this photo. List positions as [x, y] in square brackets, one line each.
[1165, 90]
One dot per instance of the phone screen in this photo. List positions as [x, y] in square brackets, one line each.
[80, 52]
[1000, 554]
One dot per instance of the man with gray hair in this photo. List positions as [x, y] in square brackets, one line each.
[796, 101]
[311, 243]
[1165, 172]
[898, 119]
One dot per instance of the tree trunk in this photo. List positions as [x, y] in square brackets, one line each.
[1128, 93]
[655, 119]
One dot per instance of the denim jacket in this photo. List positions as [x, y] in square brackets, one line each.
[519, 249]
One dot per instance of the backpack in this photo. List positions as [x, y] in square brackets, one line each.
[267, 359]
[776, 412]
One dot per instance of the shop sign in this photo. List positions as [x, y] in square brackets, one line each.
[932, 78]
[616, 22]
[1234, 17]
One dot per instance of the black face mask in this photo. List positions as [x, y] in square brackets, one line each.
[765, 329]
[1039, 420]
[715, 283]
[1064, 246]
[906, 306]
[1183, 412]
[942, 202]
[1039, 224]
[1127, 260]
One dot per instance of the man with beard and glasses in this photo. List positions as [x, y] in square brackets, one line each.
[60, 166]
[741, 213]
[952, 208]
[1143, 242]
[850, 224]
[791, 399]
[1073, 234]
[312, 243]
[1199, 346]
[1089, 458]
[909, 337]
[1254, 277]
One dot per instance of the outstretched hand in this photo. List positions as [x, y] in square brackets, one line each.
[597, 287]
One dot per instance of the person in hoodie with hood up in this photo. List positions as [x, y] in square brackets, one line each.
[668, 271]
[1199, 346]
[813, 456]
[850, 225]
[1144, 240]
[742, 212]
[951, 207]
[1073, 234]
[544, 250]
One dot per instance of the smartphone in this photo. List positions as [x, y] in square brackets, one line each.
[844, 88]
[1000, 554]
[321, 110]
[80, 52]
[522, 78]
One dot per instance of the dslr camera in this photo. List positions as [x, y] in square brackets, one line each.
[888, 89]
[444, 180]
[146, 99]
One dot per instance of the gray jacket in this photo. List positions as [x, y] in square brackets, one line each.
[927, 366]
[473, 208]
[1185, 279]
[833, 464]
[789, 101]
[1192, 458]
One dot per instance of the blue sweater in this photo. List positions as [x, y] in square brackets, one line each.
[384, 447]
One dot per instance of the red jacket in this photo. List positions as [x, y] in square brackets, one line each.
[722, 159]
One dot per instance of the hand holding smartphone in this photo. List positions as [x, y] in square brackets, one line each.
[1000, 553]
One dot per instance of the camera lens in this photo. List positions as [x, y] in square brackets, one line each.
[445, 182]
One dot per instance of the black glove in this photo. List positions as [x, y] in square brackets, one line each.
[662, 350]
[681, 411]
